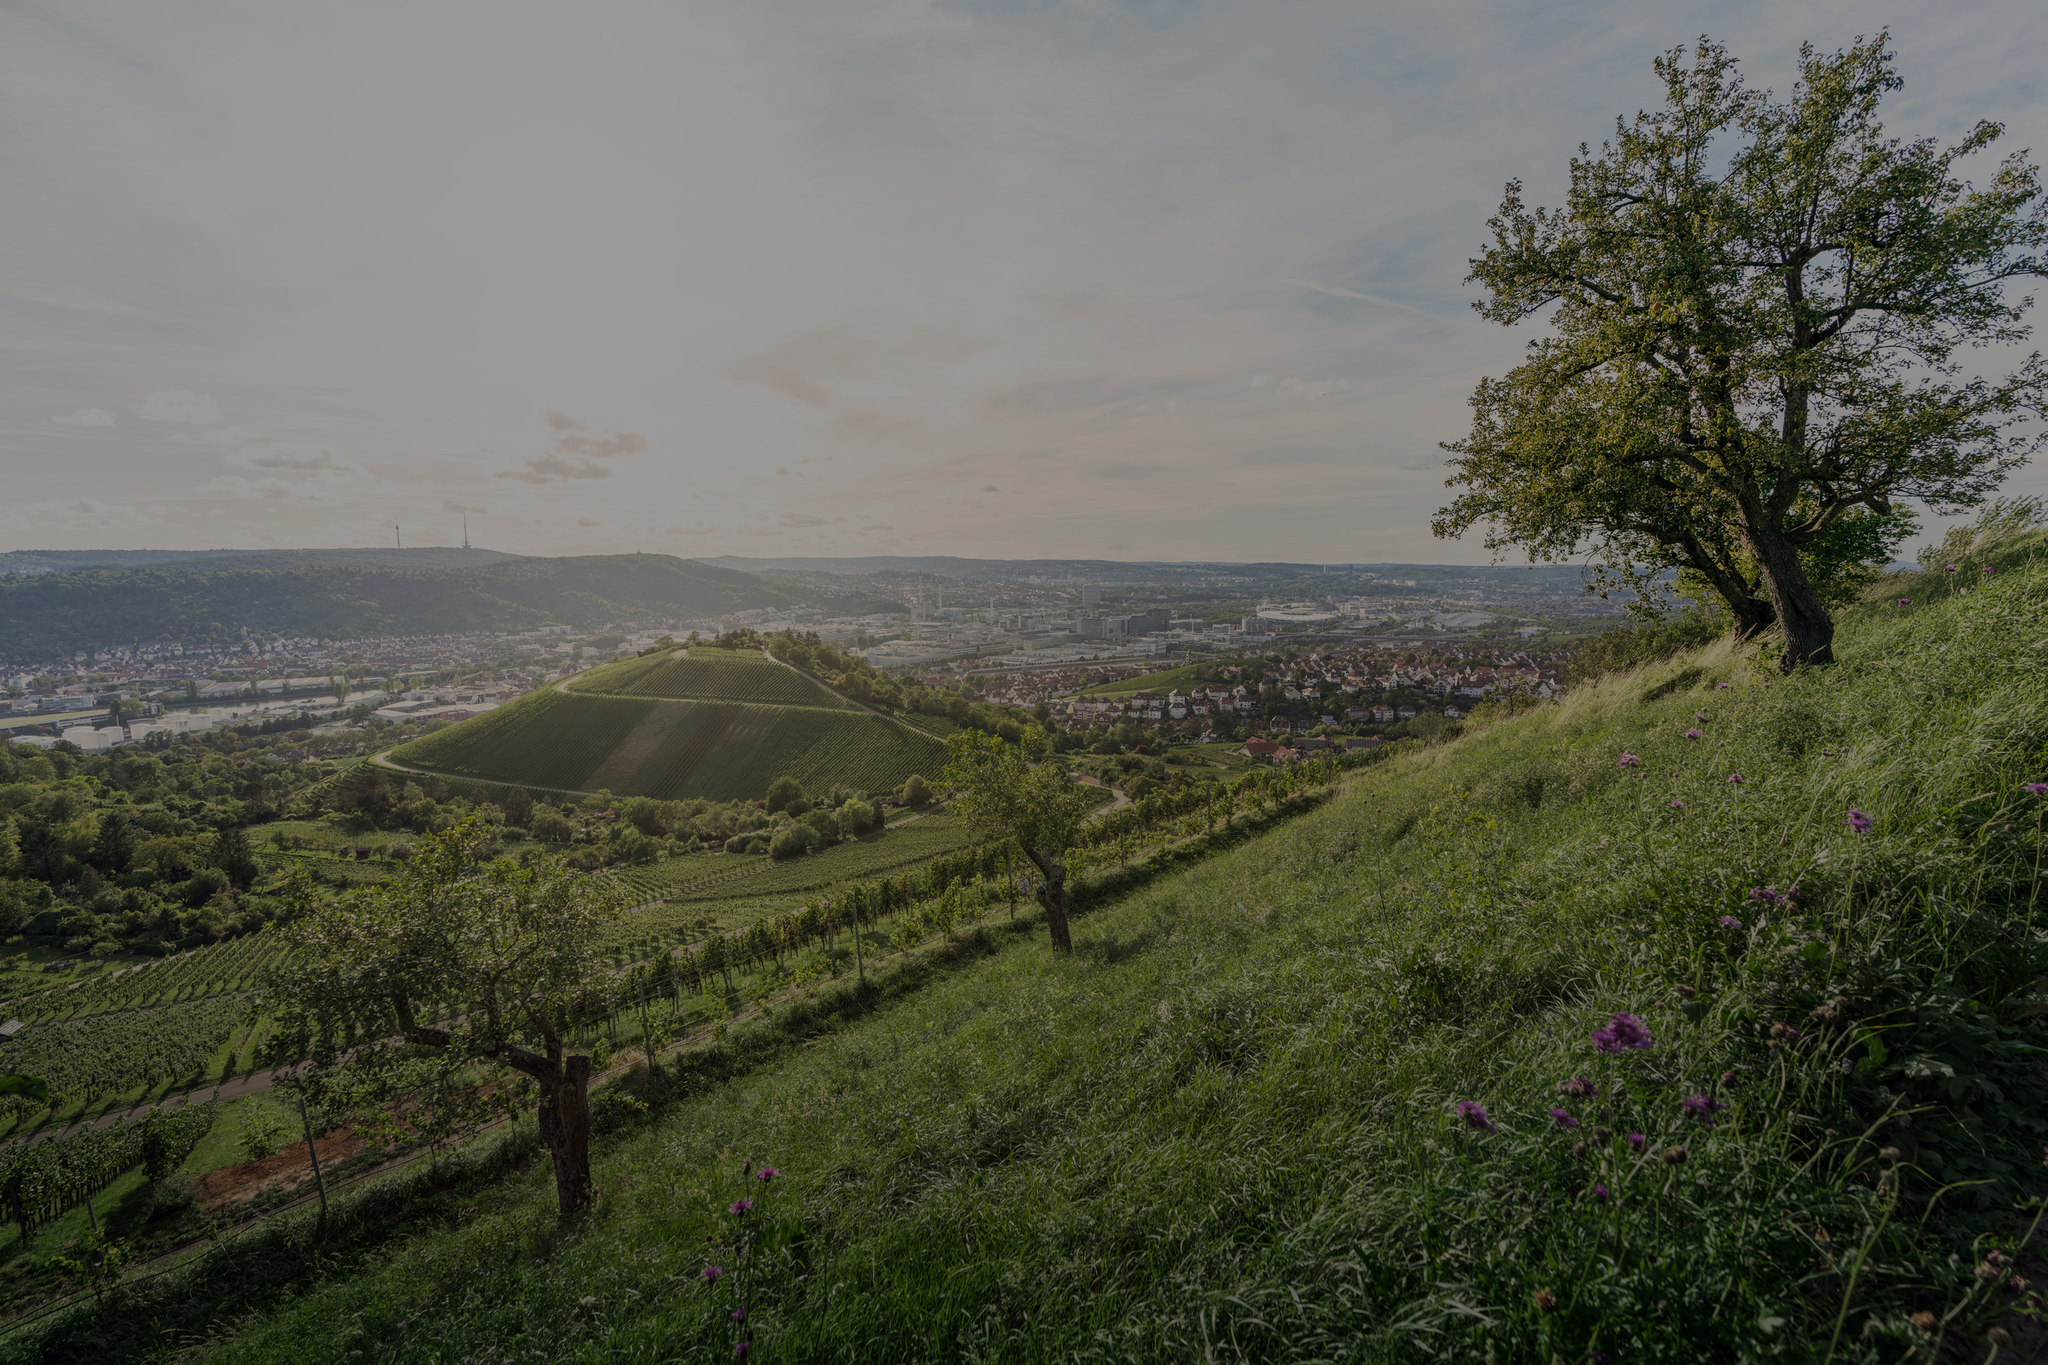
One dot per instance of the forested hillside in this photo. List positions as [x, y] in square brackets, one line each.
[47, 615]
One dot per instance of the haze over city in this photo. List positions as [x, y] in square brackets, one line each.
[1061, 280]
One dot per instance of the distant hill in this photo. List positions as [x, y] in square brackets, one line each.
[332, 594]
[708, 724]
[425, 557]
[1076, 571]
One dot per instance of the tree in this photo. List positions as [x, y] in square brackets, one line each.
[231, 853]
[504, 948]
[1015, 792]
[517, 804]
[781, 792]
[914, 792]
[1752, 364]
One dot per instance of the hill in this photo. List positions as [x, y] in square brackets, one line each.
[381, 557]
[713, 724]
[353, 594]
[1692, 1018]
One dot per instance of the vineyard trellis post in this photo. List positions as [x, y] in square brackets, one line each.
[313, 1155]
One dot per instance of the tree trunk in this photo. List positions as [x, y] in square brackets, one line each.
[1052, 895]
[565, 1127]
[1809, 630]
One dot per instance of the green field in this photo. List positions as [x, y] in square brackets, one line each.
[710, 675]
[1164, 681]
[644, 746]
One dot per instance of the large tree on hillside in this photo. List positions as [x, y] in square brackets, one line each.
[1015, 792]
[479, 958]
[1759, 309]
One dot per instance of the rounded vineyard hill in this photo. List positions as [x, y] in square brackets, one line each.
[640, 745]
[706, 674]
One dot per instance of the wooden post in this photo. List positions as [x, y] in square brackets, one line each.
[319, 1183]
[858, 961]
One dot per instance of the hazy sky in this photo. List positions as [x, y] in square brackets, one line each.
[1091, 278]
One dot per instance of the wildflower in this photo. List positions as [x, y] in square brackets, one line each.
[1923, 1320]
[1784, 1033]
[1728, 1080]
[739, 1352]
[1948, 568]
[1887, 1154]
[1987, 568]
[1627, 761]
[1623, 1033]
[742, 1207]
[1635, 1141]
[1603, 1136]
[1905, 601]
[1694, 734]
[1579, 1088]
[1766, 893]
[1735, 779]
[1699, 715]
[1720, 687]
[1674, 1156]
[1599, 1194]
[711, 1274]
[1474, 1113]
[2036, 789]
[739, 1314]
[1729, 922]
[1859, 822]
[1562, 1119]
[1702, 1107]
[766, 1174]
[1546, 1301]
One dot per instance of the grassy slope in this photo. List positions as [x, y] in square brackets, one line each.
[1161, 682]
[1222, 1128]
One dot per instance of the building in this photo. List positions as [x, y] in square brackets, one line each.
[1091, 597]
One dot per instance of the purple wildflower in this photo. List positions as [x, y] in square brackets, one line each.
[1636, 1140]
[1599, 1194]
[1905, 601]
[1729, 1080]
[742, 1207]
[766, 1174]
[1693, 734]
[1623, 1033]
[711, 1274]
[1702, 1107]
[1859, 822]
[1735, 779]
[1699, 715]
[1766, 893]
[1678, 805]
[1720, 687]
[1627, 760]
[1730, 922]
[1987, 568]
[1579, 1088]
[739, 1314]
[2036, 789]
[739, 1352]
[1948, 568]
[1562, 1119]
[1474, 1113]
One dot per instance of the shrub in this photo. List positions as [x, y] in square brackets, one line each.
[792, 840]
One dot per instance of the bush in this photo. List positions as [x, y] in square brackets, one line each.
[1632, 646]
[915, 793]
[791, 841]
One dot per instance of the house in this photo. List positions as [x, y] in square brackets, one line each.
[1259, 748]
[1453, 712]
[1406, 713]
[1384, 714]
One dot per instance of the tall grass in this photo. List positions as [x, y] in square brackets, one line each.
[1227, 1127]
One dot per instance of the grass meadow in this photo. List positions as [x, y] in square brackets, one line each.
[1357, 1089]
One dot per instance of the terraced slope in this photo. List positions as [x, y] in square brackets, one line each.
[710, 675]
[654, 744]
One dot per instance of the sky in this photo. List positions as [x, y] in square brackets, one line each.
[1122, 279]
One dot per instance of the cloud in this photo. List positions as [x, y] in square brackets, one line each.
[86, 417]
[781, 377]
[800, 521]
[1336, 293]
[1044, 397]
[587, 522]
[990, 488]
[178, 406]
[557, 465]
[79, 514]
[221, 436]
[452, 506]
[306, 493]
[294, 457]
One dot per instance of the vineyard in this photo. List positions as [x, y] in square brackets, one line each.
[675, 749]
[710, 675]
[198, 975]
[708, 877]
[116, 1053]
[39, 1182]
